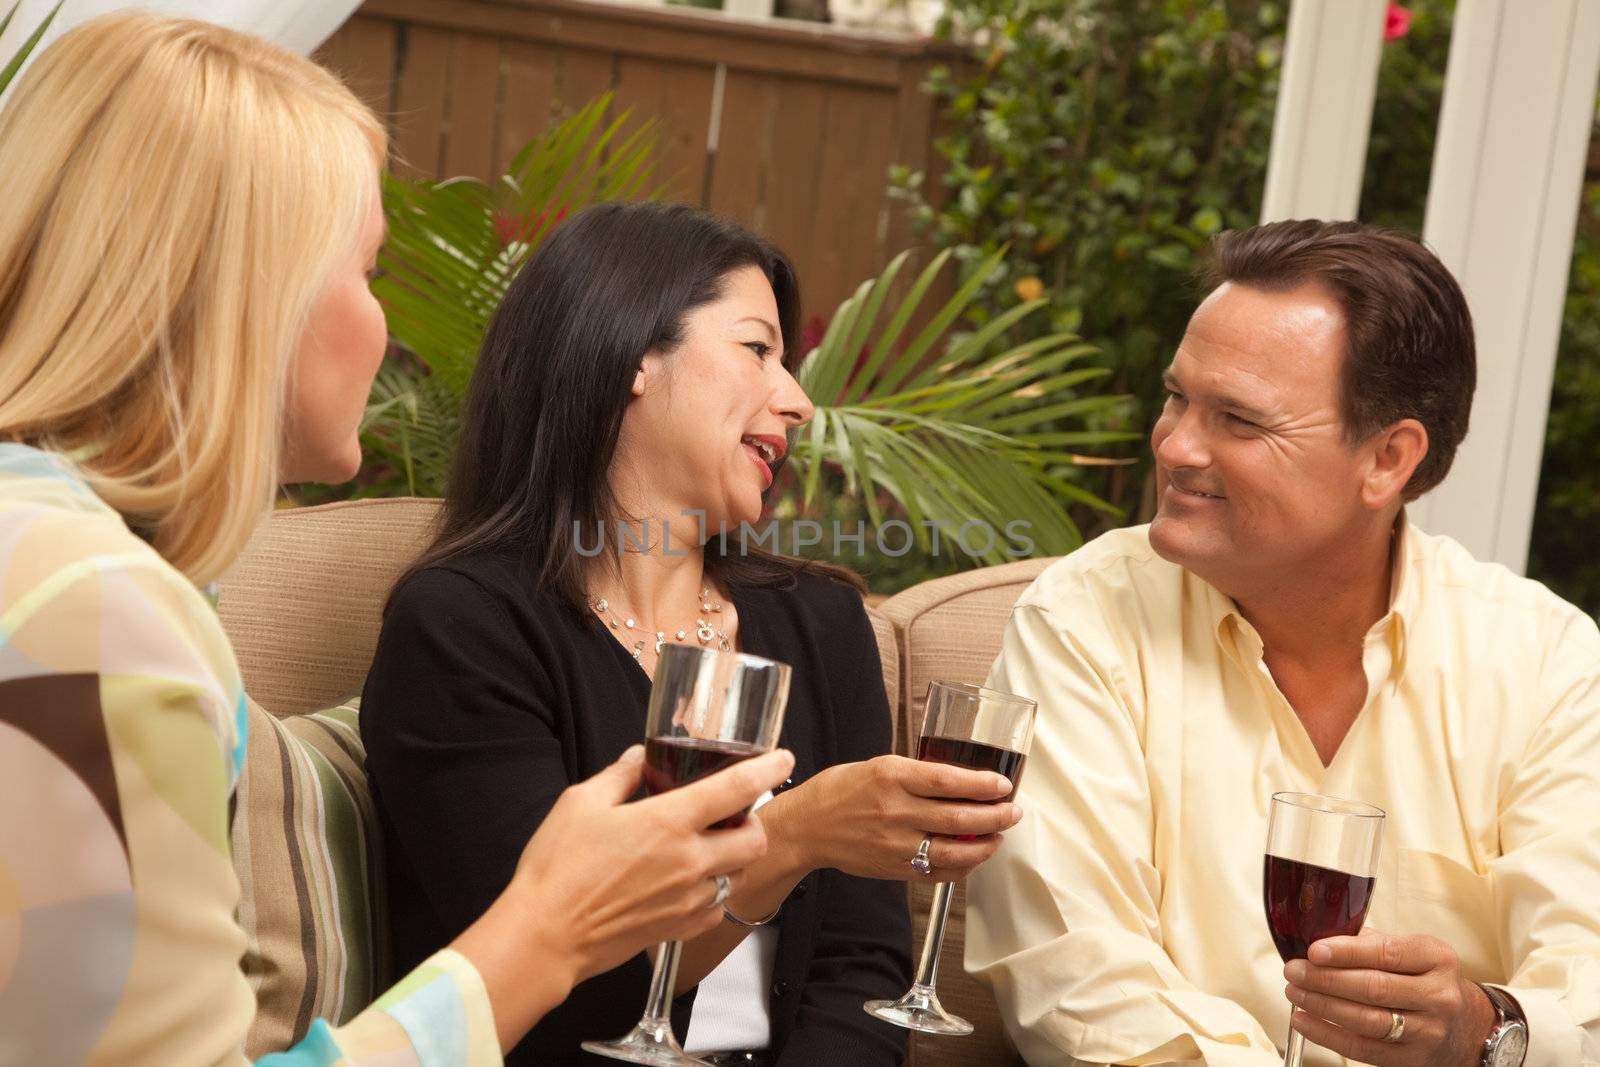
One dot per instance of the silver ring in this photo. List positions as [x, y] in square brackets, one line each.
[724, 887]
[1397, 1028]
[919, 862]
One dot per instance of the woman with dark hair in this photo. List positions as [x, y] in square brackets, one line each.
[638, 377]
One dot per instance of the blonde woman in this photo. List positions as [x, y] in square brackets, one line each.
[187, 220]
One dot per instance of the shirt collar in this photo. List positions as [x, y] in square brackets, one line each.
[1240, 640]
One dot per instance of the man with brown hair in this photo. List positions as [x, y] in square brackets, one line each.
[1280, 627]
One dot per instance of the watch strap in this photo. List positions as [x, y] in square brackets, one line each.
[1506, 1011]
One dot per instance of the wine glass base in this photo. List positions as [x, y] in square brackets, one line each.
[921, 1011]
[646, 1045]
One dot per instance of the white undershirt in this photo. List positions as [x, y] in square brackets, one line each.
[730, 1008]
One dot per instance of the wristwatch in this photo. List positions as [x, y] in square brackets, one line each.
[1507, 1045]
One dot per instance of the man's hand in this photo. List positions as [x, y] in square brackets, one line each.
[1348, 987]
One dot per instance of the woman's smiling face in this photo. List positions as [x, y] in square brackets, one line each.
[710, 419]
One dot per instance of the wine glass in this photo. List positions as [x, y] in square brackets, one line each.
[1322, 860]
[987, 730]
[708, 710]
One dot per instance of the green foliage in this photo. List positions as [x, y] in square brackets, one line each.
[452, 250]
[1101, 142]
[943, 428]
[915, 419]
[14, 64]
[1566, 520]
[1405, 114]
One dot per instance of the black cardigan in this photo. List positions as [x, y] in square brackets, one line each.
[486, 699]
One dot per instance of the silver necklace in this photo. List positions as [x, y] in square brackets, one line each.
[704, 632]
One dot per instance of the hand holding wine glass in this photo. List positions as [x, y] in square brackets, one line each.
[980, 729]
[867, 819]
[1349, 989]
[622, 876]
[709, 710]
[1317, 880]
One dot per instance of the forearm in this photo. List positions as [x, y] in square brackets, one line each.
[763, 887]
[527, 968]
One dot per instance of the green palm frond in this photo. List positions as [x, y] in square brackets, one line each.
[964, 439]
[453, 248]
[14, 64]
[411, 427]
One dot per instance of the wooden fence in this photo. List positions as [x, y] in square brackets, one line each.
[790, 130]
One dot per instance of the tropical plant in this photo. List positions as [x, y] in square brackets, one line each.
[943, 429]
[14, 64]
[452, 250]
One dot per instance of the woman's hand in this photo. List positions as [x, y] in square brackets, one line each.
[869, 818]
[603, 879]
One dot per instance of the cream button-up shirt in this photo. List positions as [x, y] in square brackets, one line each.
[1122, 921]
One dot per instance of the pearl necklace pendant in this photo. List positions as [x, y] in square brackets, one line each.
[704, 632]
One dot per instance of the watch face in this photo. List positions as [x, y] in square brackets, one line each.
[1512, 1047]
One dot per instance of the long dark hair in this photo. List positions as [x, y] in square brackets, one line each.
[545, 405]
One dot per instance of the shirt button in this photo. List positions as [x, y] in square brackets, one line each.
[780, 988]
[802, 889]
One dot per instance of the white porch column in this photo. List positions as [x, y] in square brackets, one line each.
[1324, 109]
[1519, 101]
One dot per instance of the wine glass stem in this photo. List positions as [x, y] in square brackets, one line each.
[1294, 1049]
[658, 1007]
[928, 967]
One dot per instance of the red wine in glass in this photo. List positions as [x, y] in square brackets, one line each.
[976, 755]
[673, 761]
[708, 710]
[1322, 862]
[1307, 903]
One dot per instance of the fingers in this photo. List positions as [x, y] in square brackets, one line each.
[953, 819]
[1382, 989]
[735, 880]
[701, 921]
[953, 859]
[1397, 953]
[942, 780]
[618, 782]
[725, 851]
[1365, 1020]
[1346, 1043]
[728, 792]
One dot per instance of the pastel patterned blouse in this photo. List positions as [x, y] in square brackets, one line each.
[122, 735]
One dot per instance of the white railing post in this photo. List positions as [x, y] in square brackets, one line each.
[1324, 110]
[1514, 130]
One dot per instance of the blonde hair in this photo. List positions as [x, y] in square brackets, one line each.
[177, 196]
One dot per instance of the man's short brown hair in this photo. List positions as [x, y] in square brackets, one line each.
[1409, 351]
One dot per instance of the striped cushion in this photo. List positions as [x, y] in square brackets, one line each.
[305, 845]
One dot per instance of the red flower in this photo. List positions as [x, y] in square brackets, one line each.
[1396, 22]
[510, 228]
[811, 334]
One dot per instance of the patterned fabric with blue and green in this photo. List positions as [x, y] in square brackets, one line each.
[123, 725]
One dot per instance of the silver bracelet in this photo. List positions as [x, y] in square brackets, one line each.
[731, 917]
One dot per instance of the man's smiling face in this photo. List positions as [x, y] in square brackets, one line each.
[1253, 470]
